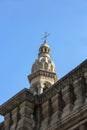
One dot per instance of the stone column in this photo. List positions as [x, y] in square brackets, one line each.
[82, 127]
[57, 108]
[79, 89]
[7, 121]
[40, 88]
[45, 113]
[26, 120]
[14, 119]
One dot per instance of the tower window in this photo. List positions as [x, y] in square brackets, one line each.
[41, 50]
[45, 49]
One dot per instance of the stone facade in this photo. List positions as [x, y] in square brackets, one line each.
[63, 106]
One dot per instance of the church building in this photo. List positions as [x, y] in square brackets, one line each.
[49, 103]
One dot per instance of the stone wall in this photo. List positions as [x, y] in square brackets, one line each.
[62, 107]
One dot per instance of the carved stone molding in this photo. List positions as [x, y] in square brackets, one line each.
[42, 73]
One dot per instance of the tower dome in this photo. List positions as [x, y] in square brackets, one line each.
[44, 60]
[43, 72]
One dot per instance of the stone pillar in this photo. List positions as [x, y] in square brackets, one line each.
[57, 108]
[7, 121]
[82, 127]
[45, 113]
[26, 116]
[40, 88]
[68, 97]
[14, 119]
[79, 89]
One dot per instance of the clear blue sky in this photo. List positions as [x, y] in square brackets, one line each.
[22, 25]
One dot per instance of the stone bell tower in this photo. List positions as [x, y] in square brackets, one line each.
[43, 73]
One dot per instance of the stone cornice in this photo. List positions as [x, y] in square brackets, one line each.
[41, 73]
[75, 73]
[23, 95]
[66, 80]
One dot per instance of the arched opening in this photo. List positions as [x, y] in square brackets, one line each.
[45, 49]
[1, 118]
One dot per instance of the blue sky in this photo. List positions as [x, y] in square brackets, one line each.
[22, 25]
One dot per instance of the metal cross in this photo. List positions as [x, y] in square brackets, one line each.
[45, 36]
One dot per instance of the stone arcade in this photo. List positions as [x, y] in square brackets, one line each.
[49, 104]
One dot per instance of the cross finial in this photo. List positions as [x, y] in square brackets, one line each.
[45, 36]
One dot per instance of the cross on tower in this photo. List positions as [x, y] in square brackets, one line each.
[45, 36]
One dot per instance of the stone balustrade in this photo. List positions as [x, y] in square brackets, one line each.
[15, 118]
[79, 89]
[20, 117]
[26, 116]
[57, 106]
[45, 114]
[70, 97]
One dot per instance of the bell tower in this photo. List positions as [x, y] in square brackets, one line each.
[43, 73]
